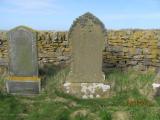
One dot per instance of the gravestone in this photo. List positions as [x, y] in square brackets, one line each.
[23, 62]
[87, 38]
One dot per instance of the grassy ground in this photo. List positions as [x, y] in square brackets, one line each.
[131, 100]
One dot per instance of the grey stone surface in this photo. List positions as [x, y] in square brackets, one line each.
[24, 88]
[86, 79]
[22, 52]
[87, 37]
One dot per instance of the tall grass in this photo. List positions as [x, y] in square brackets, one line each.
[54, 104]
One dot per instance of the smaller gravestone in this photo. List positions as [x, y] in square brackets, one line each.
[156, 86]
[23, 62]
[87, 38]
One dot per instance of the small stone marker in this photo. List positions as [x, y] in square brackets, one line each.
[23, 62]
[156, 86]
[87, 37]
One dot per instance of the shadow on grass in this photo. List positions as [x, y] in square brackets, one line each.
[49, 71]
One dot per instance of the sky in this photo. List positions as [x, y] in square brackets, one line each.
[59, 14]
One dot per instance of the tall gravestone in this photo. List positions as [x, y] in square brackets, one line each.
[23, 62]
[87, 38]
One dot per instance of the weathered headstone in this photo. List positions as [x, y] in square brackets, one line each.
[23, 62]
[87, 38]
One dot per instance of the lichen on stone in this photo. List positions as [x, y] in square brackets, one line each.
[87, 90]
[67, 87]
[155, 85]
[84, 19]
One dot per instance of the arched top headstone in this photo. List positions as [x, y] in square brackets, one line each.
[22, 27]
[87, 38]
[22, 52]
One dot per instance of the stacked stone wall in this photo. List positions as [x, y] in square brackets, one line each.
[123, 49]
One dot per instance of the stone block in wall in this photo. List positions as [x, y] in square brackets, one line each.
[138, 57]
[157, 64]
[150, 56]
[125, 49]
[147, 62]
[132, 63]
[139, 51]
[140, 67]
[115, 48]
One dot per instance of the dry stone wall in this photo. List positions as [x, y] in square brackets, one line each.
[53, 48]
[138, 48]
[124, 48]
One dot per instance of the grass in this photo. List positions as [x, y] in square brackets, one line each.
[130, 88]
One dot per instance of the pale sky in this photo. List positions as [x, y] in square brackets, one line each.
[59, 14]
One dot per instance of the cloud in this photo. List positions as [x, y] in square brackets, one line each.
[30, 6]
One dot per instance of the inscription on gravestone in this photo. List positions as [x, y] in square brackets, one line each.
[23, 63]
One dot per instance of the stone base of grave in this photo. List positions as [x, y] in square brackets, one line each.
[156, 89]
[87, 90]
[23, 85]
